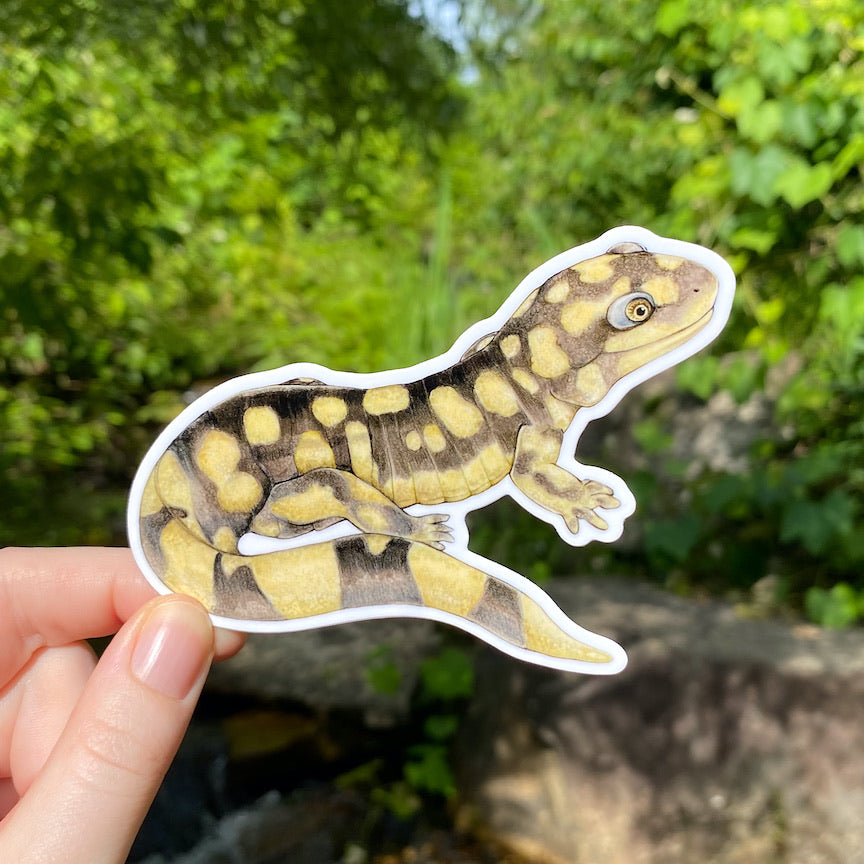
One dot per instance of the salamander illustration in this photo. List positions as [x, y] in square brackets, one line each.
[304, 497]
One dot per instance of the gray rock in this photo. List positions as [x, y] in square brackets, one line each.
[312, 830]
[726, 740]
[370, 667]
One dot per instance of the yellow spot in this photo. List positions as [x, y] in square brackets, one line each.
[372, 519]
[261, 425]
[404, 493]
[525, 380]
[413, 441]
[577, 317]
[589, 385]
[595, 269]
[434, 438]
[664, 289]
[218, 455]
[444, 582]
[312, 504]
[561, 412]
[313, 451]
[547, 357]
[329, 410]
[495, 394]
[454, 485]
[189, 564]
[544, 635]
[557, 293]
[526, 304]
[265, 525]
[150, 501]
[239, 493]
[428, 487]
[668, 262]
[620, 287]
[377, 543]
[478, 346]
[461, 417]
[300, 582]
[511, 345]
[386, 400]
[224, 540]
[496, 463]
[365, 492]
[174, 487]
[475, 475]
[360, 451]
[538, 445]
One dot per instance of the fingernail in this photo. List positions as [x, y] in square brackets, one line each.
[173, 648]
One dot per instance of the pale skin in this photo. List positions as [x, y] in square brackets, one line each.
[84, 746]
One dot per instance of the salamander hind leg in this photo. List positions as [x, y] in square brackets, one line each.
[327, 495]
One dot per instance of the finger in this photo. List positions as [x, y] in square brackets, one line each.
[228, 643]
[56, 596]
[48, 690]
[8, 796]
[118, 743]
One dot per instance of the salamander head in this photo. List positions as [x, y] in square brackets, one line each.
[597, 321]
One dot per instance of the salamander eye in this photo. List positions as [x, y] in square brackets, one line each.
[625, 248]
[630, 310]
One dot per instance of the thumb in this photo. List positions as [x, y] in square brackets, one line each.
[88, 802]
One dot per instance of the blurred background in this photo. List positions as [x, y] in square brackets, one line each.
[193, 189]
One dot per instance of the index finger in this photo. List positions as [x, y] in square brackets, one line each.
[51, 597]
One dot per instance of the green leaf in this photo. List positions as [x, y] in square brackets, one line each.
[672, 16]
[837, 608]
[801, 183]
[699, 375]
[850, 245]
[743, 376]
[800, 123]
[651, 436]
[449, 675]
[760, 242]
[851, 155]
[428, 769]
[441, 727]
[755, 175]
[818, 524]
[741, 95]
[761, 123]
[381, 672]
[673, 538]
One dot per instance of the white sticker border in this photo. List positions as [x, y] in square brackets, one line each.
[457, 511]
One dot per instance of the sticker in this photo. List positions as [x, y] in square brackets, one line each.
[305, 497]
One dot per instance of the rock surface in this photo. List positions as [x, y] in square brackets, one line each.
[334, 668]
[726, 740]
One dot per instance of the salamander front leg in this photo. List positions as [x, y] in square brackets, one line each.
[324, 496]
[547, 484]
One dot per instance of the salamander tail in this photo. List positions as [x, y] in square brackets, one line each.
[376, 576]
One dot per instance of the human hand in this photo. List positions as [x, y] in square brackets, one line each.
[85, 746]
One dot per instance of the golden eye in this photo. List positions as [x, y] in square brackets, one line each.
[630, 310]
[638, 310]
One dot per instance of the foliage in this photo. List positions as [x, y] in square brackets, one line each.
[184, 177]
[445, 683]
